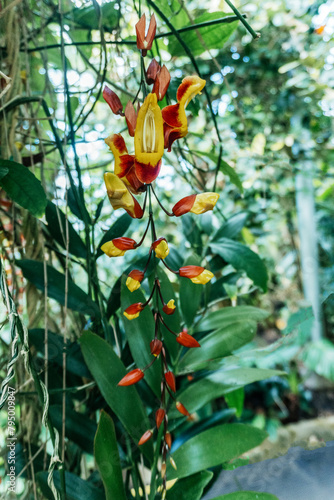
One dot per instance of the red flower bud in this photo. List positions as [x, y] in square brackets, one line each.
[152, 71]
[170, 379]
[113, 100]
[145, 437]
[190, 271]
[132, 377]
[155, 346]
[187, 340]
[131, 118]
[161, 83]
[169, 308]
[182, 409]
[144, 43]
[137, 275]
[159, 416]
[168, 439]
[124, 243]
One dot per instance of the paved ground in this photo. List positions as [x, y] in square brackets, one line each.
[298, 475]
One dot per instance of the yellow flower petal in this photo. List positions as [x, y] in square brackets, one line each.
[203, 278]
[132, 284]
[131, 316]
[149, 134]
[162, 249]
[204, 202]
[111, 250]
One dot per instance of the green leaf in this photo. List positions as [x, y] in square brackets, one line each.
[218, 344]
[212, 36]
[235, 399]
[225, 168]
[88, 17]
[58, 226]
[228, 315]
[76, 488]
[3, 170]
[107, 458]
[190, 488]
[79, 428]
[77, 204]
[190, 293]
[232, 227]
[214, 447]
[219, 383]
[119, 228]
[241, 257]
[319, 357]
[23, 187]
[107, 369]
[139, 333]
[247, 495]
[77, 299]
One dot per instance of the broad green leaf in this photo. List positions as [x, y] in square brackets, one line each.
[23, 187]
[210, 37]
[139, 333]
[76, 487]
[319, 357]
[190, 293]
[219, 383]
[119, 228]
[3, 170]
[247, 495]
[232, 227]
[228, 315]
[190, 488]
[107, 370]
[79, 428]
[77, 299]
[77, 205]
[218, 344]
[173, 321]
[214, 447]
[88, 17]
[241, 257]
[58, 227]
[235, 399]
[107, 458]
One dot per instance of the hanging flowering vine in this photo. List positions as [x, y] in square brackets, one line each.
[153, 130]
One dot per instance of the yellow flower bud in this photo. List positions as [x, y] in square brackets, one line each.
[111, 250]
[161, 248]
[203, 278]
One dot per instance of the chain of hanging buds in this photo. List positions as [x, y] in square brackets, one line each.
[153, 130]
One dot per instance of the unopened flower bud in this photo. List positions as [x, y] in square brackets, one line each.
[131, 118]
[134, 280]
[152, 71]
[182, 409]
[132, 377]
[145, 437]
[196, 274]
[118, 246]
[160, 247]
[161, 83]
[187, 340]
[113, 100]
[159, 417]
[196, 204]
[168, 439]
[133, 311]
[170, 379]
[173, 464]
[155, 346]
[169, 308]
[144, 43]
[163, 470]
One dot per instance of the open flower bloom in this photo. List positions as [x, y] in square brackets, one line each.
[196, 204]
[149, 140]
[169, 308]
[132, 377]
[197, 274]
[134, 280]
[118, 246]
[161, 248]
[174, 116]
[133, 311]
[124, 163]
[144, 43]
[120, 197]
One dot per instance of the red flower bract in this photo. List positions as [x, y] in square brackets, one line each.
[145, 437]
[187, 340]
[132, 377]
[170, 379]
[159, 416]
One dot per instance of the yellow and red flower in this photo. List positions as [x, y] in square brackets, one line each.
[133, 311]
[120, 197]
[118, 246]
[174, 116]
[161, 248]
[196, 204]
[196, 274]
[134, 279]
[170, 307]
